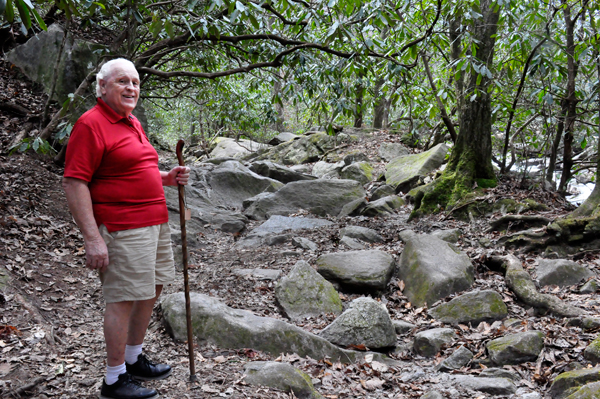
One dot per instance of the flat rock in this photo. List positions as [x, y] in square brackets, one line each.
[278, 224]
[303, 292]
[561, 272]
[402, 327]
[278, 172]
[516, 348]
[497, 372]
[472, 307]
[304, 243]
[493, 386]
[361, 233]
[259, 274]
[459, 358]
[352, 243]
[216, 323]
[282, 138]
[382, 191]
[432, 269]
[383, 206]
[306, 148]
[406, 168]
[231, 148]
[320, 197]
[429, 342]
[358, 270]
[365, 322]
[282, 376]
[323, 168]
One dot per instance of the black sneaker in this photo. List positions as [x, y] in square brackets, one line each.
[146, 370]
[126, 388]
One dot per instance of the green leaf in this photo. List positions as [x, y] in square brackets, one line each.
[28, 3]
[169, 28]
[24, 146]
[10, 11]
[584, 143]
[36, 144]
[479, 77]
[24, 14]
[39, 20]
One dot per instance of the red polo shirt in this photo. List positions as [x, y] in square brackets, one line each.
[114, 155]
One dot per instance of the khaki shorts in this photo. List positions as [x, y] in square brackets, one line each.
[139, 259]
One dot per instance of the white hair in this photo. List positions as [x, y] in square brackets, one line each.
[106, 71]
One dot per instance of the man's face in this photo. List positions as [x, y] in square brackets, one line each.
[121, 89]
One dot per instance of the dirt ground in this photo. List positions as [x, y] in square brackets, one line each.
[51, 341]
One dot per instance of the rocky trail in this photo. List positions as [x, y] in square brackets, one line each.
[493, 323]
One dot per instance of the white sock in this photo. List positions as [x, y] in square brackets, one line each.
[132, 352]
[113, 373]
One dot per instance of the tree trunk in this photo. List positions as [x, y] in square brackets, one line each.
[455, 37]
[570, 99]
[358, 112]
[560, 127]
[445, 118]
[470, 164]
[280, 118]
[379, 105]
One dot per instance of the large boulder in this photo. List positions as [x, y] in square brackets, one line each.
[472, 307]
[278, 172]
[516, 348]
[278, 224]
[307, 148]
[383, 206]
[408, 168]
[588, 391]
[390, 151]
[358, 270]
[320, 197]
[432, 269]
[282, 376]
[366, 322]
[232, 148]
[323, 169]
[225, 327]
[429, 342]
[492, 386]
[304, 292]
[362, 172]
[568, 383]
[282, 138]
[561, 272]
[216, 194]
[37, 58]
[592, 352]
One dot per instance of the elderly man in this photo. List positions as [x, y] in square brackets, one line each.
[114, 191]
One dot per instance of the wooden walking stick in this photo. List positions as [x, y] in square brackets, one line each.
[188, 313]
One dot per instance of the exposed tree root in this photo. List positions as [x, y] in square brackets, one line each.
[521, 283]
[535, 220]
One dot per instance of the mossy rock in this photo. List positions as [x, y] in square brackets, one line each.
[567, 383]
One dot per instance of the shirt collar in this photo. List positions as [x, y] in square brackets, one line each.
[110, 113]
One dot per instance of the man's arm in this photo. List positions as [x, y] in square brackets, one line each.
[80, 205]
[177, 175]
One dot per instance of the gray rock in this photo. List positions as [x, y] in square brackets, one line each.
[37, 58]
[432, 269]
[323, 168]
[516, 348]
[362, 172]
[301, 168]
[404, 169]
[355, 156]
[225, 327]
[432, 395]
[361, 233]
[590, 287]
[383, 206]
[499, 373]
[277, 239]
[382, 191]
[281, 376]
[472, 307]
[459, 358]
[389, 151]
[429, 342]
[232, 148]
[352, 243]
[493, 386]
[569, 382]
[451, 235]
[402, 327]
[361, 270]
[320, 197]
[304, 243]
[258, 274]
[278, 224]
[304, 292]
[592, 352]
[282, 138]
[366, 322]
[528, 395]
[307, 148]
[588, 391]
[278, 172]
[561, 272]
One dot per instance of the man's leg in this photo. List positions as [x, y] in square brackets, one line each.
[116, 319]
[140, 318]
